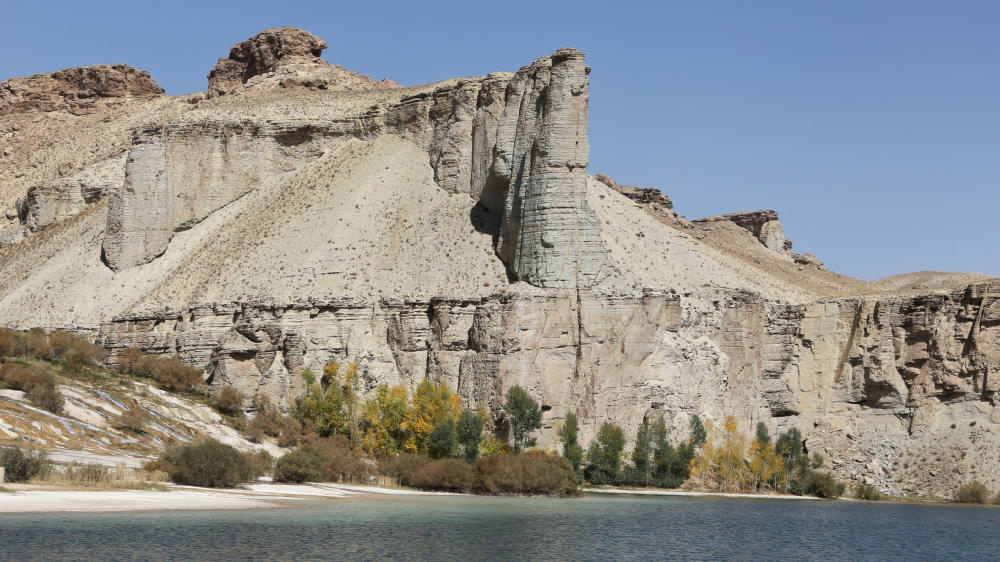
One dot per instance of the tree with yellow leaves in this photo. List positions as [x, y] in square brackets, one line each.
[431, 403]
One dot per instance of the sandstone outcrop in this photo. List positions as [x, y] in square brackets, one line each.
[47, 204]
[286, 57]
[763, 225]
[79, 90]
[451, 232]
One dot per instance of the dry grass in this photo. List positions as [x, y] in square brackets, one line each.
[102, 477]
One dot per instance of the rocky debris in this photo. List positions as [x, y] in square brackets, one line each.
[650, 197]
[285, 57]
[79, 90]
[808, 259]
[763, 225]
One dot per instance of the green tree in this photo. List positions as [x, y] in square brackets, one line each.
[762, 436]
[572, 450]
[671, 465]
[605, 455]
[698, 433]
[525, 417]
[470, 433]
[443, 440]
[641, 453]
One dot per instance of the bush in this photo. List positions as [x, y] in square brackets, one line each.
[823, 485]
[170, 373]
[533, 472]
[403, 467]
[229, 400]
[22, 465]
[867, 492]
[270, 422]
[41, 388]
[445, 474]
[209, 463]
[301, 465]
[973, 492]
[261, 463]
[133, 419]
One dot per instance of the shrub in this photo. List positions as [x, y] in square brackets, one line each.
[229, 400]
[133, 419]
[170, 373]
[22, 465]
[533, 472]
[403, 467]
[973, 492]
[269, 422]
[823, 485]
[444, 474]
[261, 463]
[18, 376]
[44, 394]
[208, 463]
[301, 465]
[867, 492]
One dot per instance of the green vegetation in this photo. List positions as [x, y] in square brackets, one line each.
[572, 450]
[867, 492]
[973, 492]
[605, 456]
[170, 373]
[209, 464]
[525, 417]
[470, 433]
[22, 465]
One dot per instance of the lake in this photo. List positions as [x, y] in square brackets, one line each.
[595, 527]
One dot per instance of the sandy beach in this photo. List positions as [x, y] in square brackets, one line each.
[22, 498]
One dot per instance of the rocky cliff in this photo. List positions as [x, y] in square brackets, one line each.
[452, 231]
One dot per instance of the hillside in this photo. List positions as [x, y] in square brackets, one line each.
[298, 212]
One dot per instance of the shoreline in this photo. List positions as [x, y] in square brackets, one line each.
[694, 493]
[28, 498]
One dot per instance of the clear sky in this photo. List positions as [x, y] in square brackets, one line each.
[873, 127]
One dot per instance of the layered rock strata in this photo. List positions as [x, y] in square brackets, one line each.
[763, 225]
[79, 90]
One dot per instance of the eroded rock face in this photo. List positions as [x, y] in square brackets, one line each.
[874, 379]
[517, 143]
[763, 225]
[79, 90]
[47, 204]
[290, 56]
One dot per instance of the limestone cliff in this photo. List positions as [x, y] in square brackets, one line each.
[451, 231]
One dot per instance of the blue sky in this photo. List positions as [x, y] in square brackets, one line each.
[873, 127]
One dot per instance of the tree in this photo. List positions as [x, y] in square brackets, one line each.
[443, 440]
[641, 453]
[671, 465]
[431, 403]
[470, 433]
[762, 436]
[605, 455]
[382, 419]
[572, 450]
[525, 417]
[698, 433]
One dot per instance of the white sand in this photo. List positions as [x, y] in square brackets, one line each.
[29, 499]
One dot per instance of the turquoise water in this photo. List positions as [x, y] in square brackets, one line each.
[450, 527]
